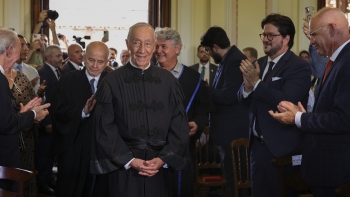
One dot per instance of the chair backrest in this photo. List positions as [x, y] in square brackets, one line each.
[293, 181]
[207, 155]
[14, 174]
[240, 164]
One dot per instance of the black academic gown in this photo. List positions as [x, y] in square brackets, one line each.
[139, 114]
[197, 104]
[72, 134]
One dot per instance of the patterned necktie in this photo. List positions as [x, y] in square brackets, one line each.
[328, 68]
[203, 72]
[58, 73]
[271, 63]
[92, 81]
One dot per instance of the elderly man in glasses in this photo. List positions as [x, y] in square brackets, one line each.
[327, 127]
[280, 75]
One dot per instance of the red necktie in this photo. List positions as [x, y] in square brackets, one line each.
[328, 68]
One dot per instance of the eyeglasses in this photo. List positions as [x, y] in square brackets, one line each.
[313, 34]
[269, 36]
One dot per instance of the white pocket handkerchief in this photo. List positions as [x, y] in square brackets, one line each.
[276, 78]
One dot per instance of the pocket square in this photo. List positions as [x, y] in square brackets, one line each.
[276, 78]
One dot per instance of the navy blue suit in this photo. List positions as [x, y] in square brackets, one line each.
[45, 153]
[326, 155]
[229, 121]
[289, 80]
[11, 122]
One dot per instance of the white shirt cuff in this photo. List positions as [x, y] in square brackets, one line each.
[297, 119]
[34, 113]
[127, 165]
[256, 84]
[83, 115]
[246, 94]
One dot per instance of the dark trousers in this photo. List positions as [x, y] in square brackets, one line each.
[45, 159]
[226, 167]
[323, 191]
[264, 175]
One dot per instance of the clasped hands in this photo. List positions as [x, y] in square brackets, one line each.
[147, 168]
[287, 111]
[250, 74]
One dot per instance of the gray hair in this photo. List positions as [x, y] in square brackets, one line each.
[139, 24]
[49, 50]
[7, 38]
[167, 33]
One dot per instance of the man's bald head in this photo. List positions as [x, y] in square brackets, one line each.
[96, 58]
[75, 53]
[328, 30]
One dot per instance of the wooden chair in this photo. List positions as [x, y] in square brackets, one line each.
[241, 176]
[293, 181]
[208, 162]
[14, 174]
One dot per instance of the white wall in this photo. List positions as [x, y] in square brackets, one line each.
[16, 14]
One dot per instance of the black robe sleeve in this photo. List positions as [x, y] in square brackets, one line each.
[109, 151]
[175, 152]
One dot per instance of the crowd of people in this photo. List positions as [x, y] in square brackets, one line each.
[131, 129]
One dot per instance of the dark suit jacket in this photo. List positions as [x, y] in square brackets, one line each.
[72, 134]
[46, 73]
[229, 121]
[71, 94]
[212, 69]
[290, 81]
[68, 67]
[11, 122]
[326, 155]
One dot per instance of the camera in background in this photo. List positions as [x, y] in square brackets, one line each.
[52, 14]
[78, 40]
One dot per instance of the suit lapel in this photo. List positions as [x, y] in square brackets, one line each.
[262, 67]
[278, 66]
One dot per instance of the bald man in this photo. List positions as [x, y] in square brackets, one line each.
[124, 57]
[326, 154]
[75, 55]
[72, 124]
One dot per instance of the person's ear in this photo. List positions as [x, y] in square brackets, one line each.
[331, 29]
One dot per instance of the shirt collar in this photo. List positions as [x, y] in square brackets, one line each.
[336, 52]
[149, 64]
[53, 68]
[276, 59]
[177, 68]
[90, 77]
[2, 69]
[16, 65]
[206, 65]
[76, 66]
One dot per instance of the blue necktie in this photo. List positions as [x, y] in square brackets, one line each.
[217, 75]
[20, 67]
[92, 81]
